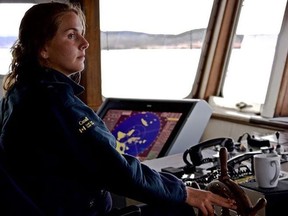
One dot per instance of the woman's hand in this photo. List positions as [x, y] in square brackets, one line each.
[205, 200]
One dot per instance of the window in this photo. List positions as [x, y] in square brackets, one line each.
[250, 65]
[151, 48]
[249, 74]
[157, 65]
[9, 25]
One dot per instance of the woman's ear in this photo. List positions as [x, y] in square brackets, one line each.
[44, 53]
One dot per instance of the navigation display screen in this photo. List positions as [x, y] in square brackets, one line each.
[141, 133]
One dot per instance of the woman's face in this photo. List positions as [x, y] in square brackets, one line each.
[66, 51]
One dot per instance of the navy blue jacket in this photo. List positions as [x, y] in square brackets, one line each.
[63, 157]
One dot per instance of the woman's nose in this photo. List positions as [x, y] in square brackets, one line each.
[85, 44]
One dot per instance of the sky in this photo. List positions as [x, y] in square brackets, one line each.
[261, 16]
[164, 16]
[9, 27]
[154, 16]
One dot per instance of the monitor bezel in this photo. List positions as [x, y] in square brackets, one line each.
[184, 106]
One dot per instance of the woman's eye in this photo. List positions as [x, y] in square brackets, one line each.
[72, 36]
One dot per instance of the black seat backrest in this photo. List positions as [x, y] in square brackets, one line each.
[13, 201]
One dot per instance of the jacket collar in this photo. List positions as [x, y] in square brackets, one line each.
[56, 76]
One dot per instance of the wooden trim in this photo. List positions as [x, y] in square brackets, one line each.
[282, 100]
[222, 48]
[199, 82]
[91, 76]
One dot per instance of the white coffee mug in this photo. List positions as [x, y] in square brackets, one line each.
[267, 170]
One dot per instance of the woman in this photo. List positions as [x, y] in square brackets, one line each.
[58, 150]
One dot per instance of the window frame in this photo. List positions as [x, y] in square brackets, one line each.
[213, 71]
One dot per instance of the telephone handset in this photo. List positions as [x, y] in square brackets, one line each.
[195, 152]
